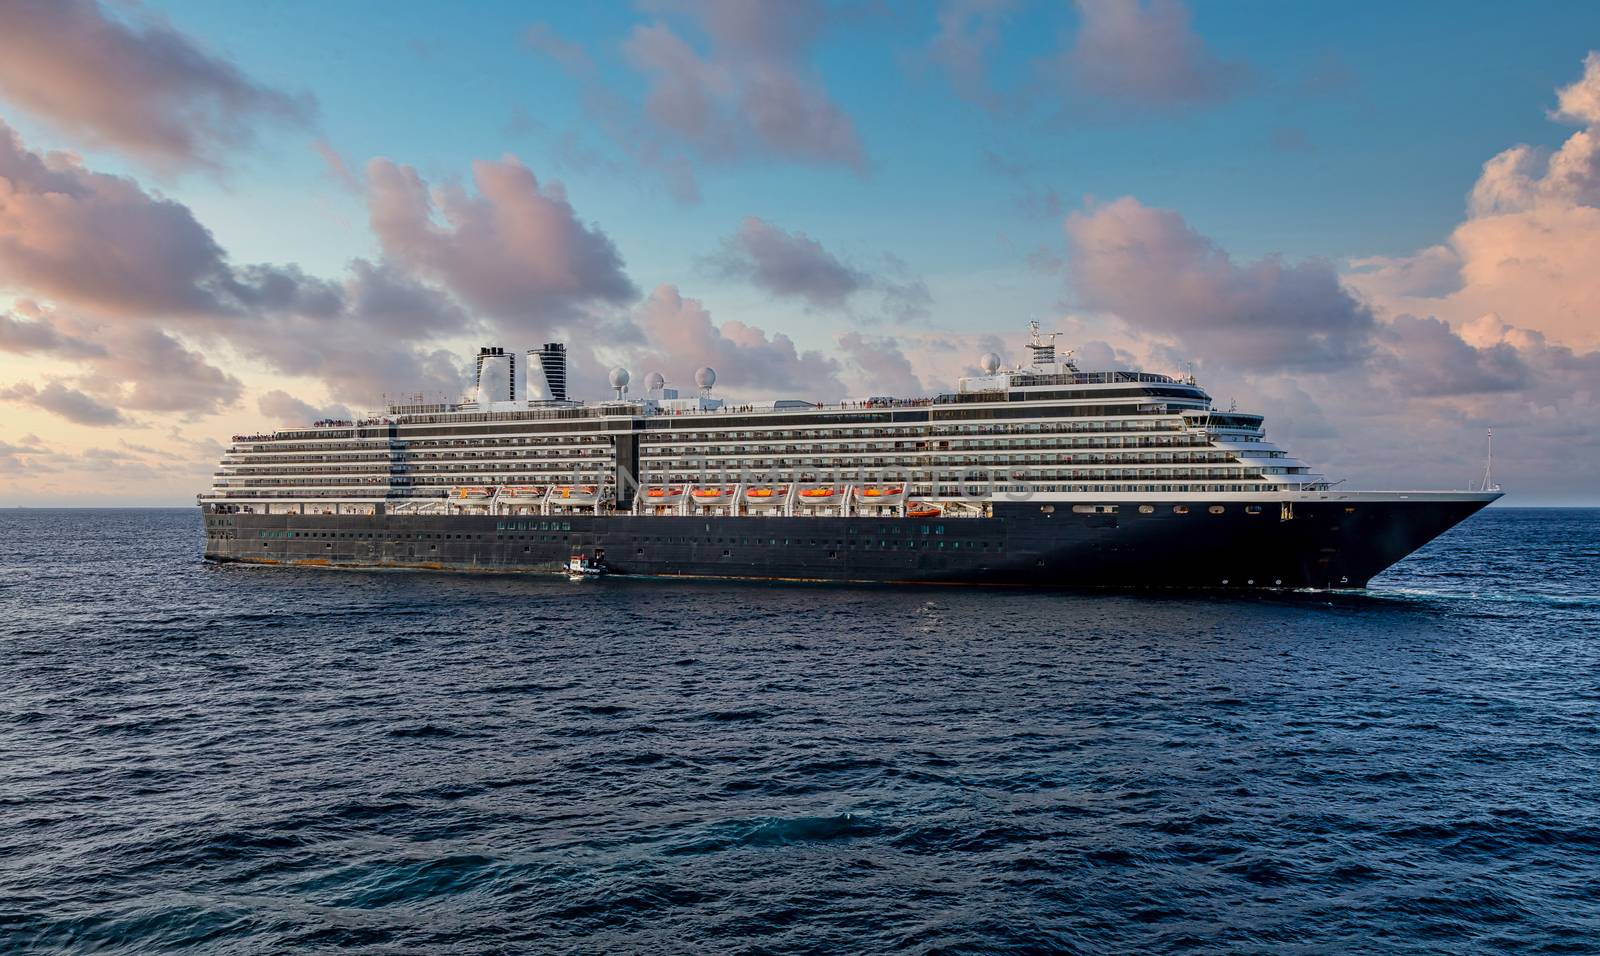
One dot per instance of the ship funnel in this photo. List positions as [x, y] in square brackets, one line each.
[496, 380]
[547, 373]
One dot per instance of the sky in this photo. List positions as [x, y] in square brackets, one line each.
[1382, 232]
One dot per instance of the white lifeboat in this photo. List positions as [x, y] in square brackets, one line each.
[574, 494]
[766, 496]
[522, 492]
[471, 492]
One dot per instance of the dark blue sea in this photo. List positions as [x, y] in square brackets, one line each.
[271, 760]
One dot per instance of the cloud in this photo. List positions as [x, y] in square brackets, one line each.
[1143, 53]
[285, 409]
[747, 91]
[881, 367]
[69, 403]
[515, 249]
[338, 170]
[1528, 245]
[102, 242]
[135, 84]
[788, 264]
[1434, 271]
[379, 340]
[125, 260]
[1425, 357]
[150, 370]
[1150, 269]
[793, 265]
[968, 33]
[40, 336]
[753, 92]
[1580, 102]
[542, 39]
[749, 362]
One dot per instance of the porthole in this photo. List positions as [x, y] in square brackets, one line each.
[1147, 509]
[1252, 509]
[1182, 510]
[1216, 509]
[1048, 509]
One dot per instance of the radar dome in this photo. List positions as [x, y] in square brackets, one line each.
[655, 382]
[990, 363]
[619, 377]
[705, 376]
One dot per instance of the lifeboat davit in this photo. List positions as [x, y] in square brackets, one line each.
[471, 492]
[522, 492]
[881, 494]
[766, 497]
[921, 509]
[664, 495]
[821, 493]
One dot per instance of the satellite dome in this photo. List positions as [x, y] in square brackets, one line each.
[655, 382]
[705, 376]
[619, 377]
[990, 363]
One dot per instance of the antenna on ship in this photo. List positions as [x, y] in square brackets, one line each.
[1488, 466]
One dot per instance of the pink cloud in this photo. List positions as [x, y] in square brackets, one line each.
[881, 366]
[133, 83]
[65, 401]
[516, 249]
[681, 337]
[1529, 243]
[724, 82]
[1150, 269]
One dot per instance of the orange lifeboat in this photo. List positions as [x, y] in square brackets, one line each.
[577, 492]
[668, 493]
[708, 492]
[825, 491]
[921, 509]
[766, 497]
[471, 492]
[881, 495]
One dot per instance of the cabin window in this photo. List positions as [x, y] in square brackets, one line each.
[1147, 509]
[1180, 509]
[1216, 509]
[1252, 509]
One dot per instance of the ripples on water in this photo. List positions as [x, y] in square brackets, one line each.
[260, 760]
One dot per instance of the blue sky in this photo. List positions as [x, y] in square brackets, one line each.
[1335, 134]
[1397, 105]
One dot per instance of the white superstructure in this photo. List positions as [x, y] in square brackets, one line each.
[1043, 429]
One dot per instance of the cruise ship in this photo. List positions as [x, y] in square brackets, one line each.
[1038, 474]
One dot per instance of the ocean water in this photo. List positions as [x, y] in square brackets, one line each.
[266, 760]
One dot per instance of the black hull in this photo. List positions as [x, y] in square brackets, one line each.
[1325, 544]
